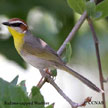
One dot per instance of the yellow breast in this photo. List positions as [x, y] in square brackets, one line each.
[18, 39]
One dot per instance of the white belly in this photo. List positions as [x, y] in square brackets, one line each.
[37, 62]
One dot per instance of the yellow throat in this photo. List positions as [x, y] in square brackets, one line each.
[18, 39]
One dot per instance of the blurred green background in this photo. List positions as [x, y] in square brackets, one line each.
[52, 20]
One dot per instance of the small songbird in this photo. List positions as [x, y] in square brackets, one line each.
[37, 52]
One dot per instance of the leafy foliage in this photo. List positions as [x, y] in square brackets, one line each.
[102, 8]
[10, 93]
[13, 96]
[37, 98]
[97, 11]
[23, 86]
[91, 8]
[15, 80]
[77, 5]
[68, 54]
[54, 72]
[50, 106]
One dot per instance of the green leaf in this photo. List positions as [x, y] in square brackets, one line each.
[23, 86]
[91, 8]
[102, 9]
[68, 53]
[12, 96]
[15, 80]
[54, 72]
[77, 5]
[37, 98]
[50, 106]
[10, 93]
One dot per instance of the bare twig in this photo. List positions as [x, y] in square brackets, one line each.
[73, 104]
[98, 58]
[41, 82]
[87, 100]
[51, 81]
[72, 33]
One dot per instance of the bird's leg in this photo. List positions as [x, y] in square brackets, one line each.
[45, 74]
[47, 71]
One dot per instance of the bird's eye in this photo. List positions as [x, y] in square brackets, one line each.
[16, 24]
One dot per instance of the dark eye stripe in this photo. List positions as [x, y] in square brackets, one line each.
[16, 24]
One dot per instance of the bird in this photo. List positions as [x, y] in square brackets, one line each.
[38, 53]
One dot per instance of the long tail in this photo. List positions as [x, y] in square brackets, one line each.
[81, 78]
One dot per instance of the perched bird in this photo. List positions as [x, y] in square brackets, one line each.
[37, 52]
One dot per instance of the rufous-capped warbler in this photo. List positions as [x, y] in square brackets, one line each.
[37, 52]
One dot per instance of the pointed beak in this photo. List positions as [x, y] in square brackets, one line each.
[6, 23]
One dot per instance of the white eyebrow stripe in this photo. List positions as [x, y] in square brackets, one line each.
[18, 22]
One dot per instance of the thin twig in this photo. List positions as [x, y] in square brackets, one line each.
[72, 33]
[41, 82]
[51, 81]
[98, 58]
[87, 100]
[73, 104]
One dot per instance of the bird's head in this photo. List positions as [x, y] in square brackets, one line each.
[18, 29]
[17, 25]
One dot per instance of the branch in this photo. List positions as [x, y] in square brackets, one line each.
[41, 82]
[96, 42]
[73, 104]
[72, 33]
